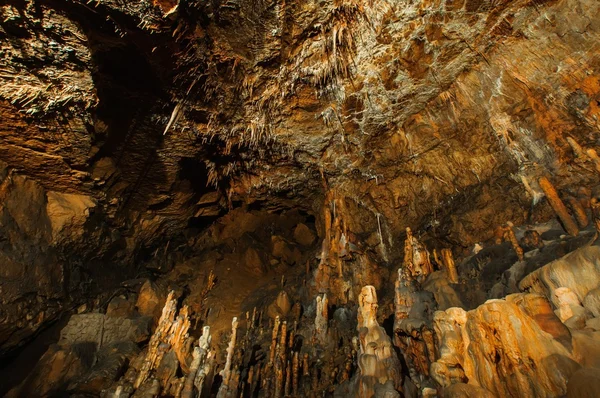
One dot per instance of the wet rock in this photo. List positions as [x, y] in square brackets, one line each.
[151, 299]
[56, 369]
[120, 307]
[110, 365]
[593, 323]
[578, 271]
[253, 261]
[100, 329]
[462, 390]
[585, 383]
[501, 335]
[586, 347]
[68, 213]
[303, 235]
[592, 302]
[567, 303]
[280, 307]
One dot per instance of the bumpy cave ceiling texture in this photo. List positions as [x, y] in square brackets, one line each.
[311, 198]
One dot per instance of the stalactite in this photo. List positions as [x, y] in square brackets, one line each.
[449, 265]
[578, 211]
[558, 206]
[591, 152]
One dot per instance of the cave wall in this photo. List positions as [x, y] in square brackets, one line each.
[125, 124]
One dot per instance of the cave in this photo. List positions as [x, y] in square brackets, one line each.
[312, 198]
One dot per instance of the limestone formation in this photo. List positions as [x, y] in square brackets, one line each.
[203, 198]
[449, 265]
[416, 257]
[501, 346]
[376, 358]
[558, 206]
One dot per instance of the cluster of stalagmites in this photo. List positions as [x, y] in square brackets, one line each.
[532, 343]
[517, 346]
[174, 364]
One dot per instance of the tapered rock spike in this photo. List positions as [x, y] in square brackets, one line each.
[416, 257]
[161, 335]
[321, 318]
[449, 265]
[558, 206]
[272, 351]
[295, 373]
[279, 370]
[376, 359]
[282, 346]
[228, 383]
[578, 211]
[509, 235]
[305, 368]
[288, 379]
[591, 152]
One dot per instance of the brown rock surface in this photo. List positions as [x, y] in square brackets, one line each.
[585, 383]
[579, 271]
[501, 347]
[138, 135]
[303, 235]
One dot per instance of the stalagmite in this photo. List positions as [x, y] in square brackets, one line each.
[262, 160]
[283, 342]
[508, 347]
[229, 384]
[305, 367]
[279, 370]
[205, 359]
[404, 296]
[509, 235]
[558, 206]
[163, 335]
[274, 335]
[377, 359]
[321, 318]
[288, 380]
[416, 257]
[577, 149]
[412, 311]
[295, 373]
[188, 388]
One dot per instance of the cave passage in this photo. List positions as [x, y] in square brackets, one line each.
[319, 198]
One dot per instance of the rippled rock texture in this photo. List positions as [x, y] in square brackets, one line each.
[127, 128]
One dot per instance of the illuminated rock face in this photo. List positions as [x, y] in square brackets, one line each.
[509, 347]
[134, 135]
[377, 360]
